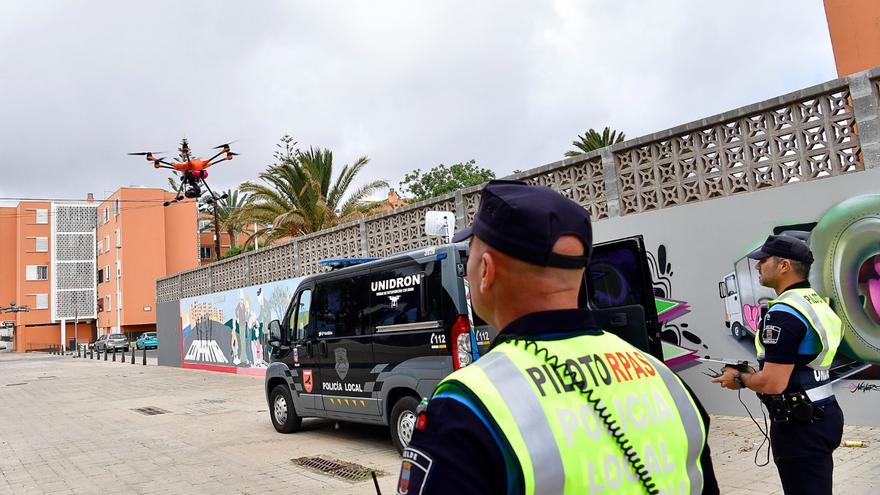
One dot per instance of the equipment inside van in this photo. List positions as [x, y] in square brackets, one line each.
[366, 342]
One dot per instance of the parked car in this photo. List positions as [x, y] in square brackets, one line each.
[147, 340]
[111, 342]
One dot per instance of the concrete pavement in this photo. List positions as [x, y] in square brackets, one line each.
[70, 426]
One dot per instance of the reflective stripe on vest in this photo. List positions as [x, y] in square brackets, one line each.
[561, 443]
[821, 318]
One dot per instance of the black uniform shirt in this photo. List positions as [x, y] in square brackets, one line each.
[456, 448]
[787, 339]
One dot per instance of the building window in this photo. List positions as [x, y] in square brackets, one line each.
[107, 242]
[100, 276]
[204, 225]
[205, 252]
[100, 246]
[118, 239]
[107, 273]
[37, 272]
[42, 301]
[107, 303]
[116, 207]
[42, 216]
[42, 244]
[100, 304]
[106, 215]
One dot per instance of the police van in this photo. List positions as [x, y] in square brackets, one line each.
[367, 342]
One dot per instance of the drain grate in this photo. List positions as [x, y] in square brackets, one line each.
[150, 410]
[345, 470]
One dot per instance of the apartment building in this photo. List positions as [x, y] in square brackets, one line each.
[138, 241]
[47, 264]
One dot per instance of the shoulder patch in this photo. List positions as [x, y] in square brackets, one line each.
[413, 471]
[770, 334]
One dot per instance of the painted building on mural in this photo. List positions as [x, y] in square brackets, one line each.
[228, 331]
[138, 241]
[47, 264]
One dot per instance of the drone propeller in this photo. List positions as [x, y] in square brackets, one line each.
[230, 154]
[146, 153]
[225, 145]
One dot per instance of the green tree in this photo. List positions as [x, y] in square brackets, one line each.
[228, 212]
[442, 179]
[298, 194]
[592, 140]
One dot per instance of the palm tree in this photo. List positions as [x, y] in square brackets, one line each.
[298, 194]
[592, 140]
[228, 208]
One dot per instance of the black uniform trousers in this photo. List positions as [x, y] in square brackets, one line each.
[802, 450]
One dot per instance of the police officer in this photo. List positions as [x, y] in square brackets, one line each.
[796, 342]
[557, 405]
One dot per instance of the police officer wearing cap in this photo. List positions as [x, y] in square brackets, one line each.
[796, 342]
[557, 405]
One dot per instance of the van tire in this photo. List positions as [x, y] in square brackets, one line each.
[281, 410]
[738, 331]
[403, 421]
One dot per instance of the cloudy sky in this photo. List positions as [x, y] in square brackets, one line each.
[410, 84]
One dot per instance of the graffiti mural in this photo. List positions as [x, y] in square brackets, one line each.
[845, 242]
[228, 331]
[680, 345]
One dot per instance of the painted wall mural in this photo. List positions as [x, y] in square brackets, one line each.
[846, 246]
[680, 345]
[228, 331]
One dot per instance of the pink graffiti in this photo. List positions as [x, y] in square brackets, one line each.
[874, 292]
[751, 315]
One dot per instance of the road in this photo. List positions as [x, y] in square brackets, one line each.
[72, 426]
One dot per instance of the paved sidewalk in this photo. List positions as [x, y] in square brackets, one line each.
[68, 426]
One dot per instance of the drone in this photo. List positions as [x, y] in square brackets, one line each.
[191, 169]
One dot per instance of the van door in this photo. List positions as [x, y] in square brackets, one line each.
[303, 353]
[617, 280]
[344, 344]
[406, 312]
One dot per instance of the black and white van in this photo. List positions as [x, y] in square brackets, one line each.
[366, 343]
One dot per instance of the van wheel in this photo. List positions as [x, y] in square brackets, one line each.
[738, 331]
[403, 421]
[282, 412]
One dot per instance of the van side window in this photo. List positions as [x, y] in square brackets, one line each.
[300, 316]
[408, 294]
[339, 307]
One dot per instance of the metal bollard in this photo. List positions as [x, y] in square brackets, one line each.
[133, 352]
[145, 355]
[123, 356]
[105, 354]
[114, 355]
[92, 353]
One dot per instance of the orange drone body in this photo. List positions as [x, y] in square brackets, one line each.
[192, 170]
[192, 165]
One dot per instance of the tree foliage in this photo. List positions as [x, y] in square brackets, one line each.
[298, 194]
[442, 179]
[592, 140]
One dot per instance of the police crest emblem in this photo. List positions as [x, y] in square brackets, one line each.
[341, 362]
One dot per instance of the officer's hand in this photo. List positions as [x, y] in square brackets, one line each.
[726, 379]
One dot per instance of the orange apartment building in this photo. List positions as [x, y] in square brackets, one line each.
[139, 241]
[854, 26]
[47, 263]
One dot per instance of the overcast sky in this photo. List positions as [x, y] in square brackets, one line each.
[410, 84]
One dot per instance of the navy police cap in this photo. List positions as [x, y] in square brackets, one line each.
[525, 221]
[783, 246]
